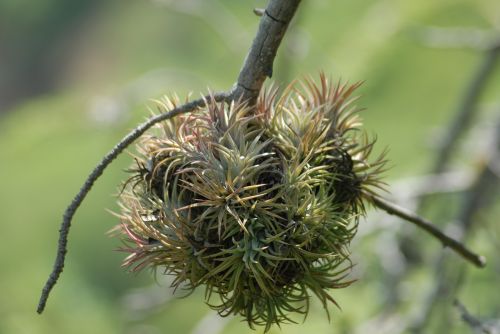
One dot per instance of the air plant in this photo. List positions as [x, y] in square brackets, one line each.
[257, 199]
[258, 205]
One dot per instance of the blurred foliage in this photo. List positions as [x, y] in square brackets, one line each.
[34, 36]
[122, 53]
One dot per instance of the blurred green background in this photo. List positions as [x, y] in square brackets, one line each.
[75, 76]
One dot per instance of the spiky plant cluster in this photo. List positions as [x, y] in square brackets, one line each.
[258, 205]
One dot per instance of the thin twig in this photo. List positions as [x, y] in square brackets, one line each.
[426, 225]
[475, 199]
[448, 276]
[96, 173]
[463, 118]
[471, 320]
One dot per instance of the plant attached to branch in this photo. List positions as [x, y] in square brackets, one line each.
[256, 197]
[259, 207]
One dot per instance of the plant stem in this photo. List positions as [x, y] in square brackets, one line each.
[426, 225]
[258, 64]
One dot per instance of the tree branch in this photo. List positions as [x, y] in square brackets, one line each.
[426, 225]
[464, 116]
[96, 173]
[258, 64]
[447, 275]
[473, 322]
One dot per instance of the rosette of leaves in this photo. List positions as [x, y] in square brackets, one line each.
[258, 205]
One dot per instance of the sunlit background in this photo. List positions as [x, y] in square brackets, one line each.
[76, 76]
